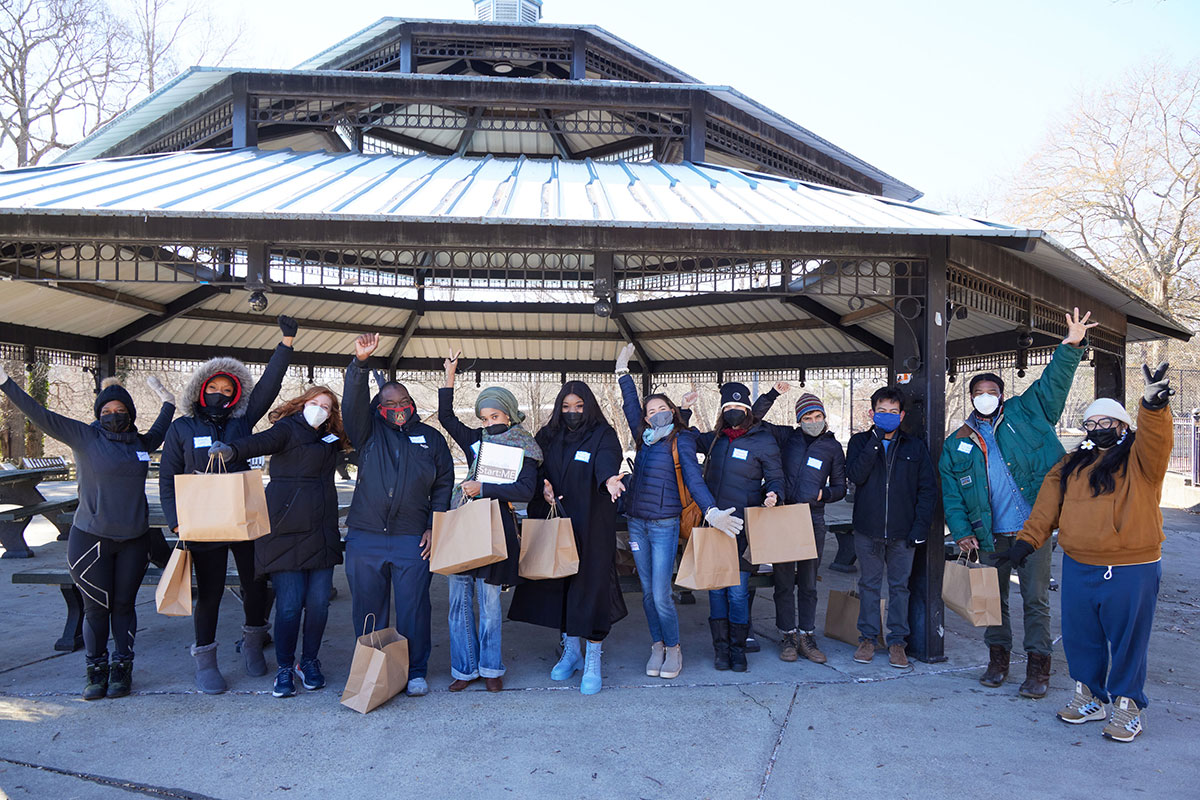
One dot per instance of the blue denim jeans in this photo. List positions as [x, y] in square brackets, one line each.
[654, 542]
[733, 603]
[380, 568]
[474, 654]
[295, 592]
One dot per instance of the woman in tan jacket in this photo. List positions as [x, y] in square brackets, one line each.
[1104, 499]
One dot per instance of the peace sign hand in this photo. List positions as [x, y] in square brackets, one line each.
[1158, 386]
[450, 364]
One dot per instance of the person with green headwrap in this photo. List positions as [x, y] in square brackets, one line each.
[475, 655]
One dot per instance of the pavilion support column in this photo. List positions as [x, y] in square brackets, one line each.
[1109, 375]
[919, 358]
[106, 367]
[245, 127]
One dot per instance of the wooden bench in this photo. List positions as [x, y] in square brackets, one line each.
[45, 509]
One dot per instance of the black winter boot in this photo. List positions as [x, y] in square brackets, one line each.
[97, 679]
[120, 677]
[737, 647]
[720, 634]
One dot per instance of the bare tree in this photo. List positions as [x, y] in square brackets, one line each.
[1120, 182]
[66, 68]
[166, 37]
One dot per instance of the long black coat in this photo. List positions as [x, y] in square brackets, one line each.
[502, 573]
[739, 473]
[577, 463]
[301, 497]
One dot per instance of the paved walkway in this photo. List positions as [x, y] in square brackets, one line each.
[842, 730]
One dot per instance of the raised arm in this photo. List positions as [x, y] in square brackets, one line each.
[1151, 451]
[69, 431]
[356, 398]
[1047, 397]
[153, 438]
[767, 399]
[267, 388]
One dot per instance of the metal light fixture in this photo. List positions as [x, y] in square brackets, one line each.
[258, 301]
[603, 308]
[502, 67]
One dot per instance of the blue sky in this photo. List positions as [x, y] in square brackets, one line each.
[950, 96]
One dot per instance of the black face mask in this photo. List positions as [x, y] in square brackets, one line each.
[115, 423]
[733, 417]
[497, 429]
[572, 419]
[216, 405]
[1104, 437]
[397, 417]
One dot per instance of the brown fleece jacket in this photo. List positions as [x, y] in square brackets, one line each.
[1123, 527]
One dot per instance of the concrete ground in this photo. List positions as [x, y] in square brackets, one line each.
[780, 730]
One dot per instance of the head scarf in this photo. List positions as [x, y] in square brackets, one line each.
[515, 436]
[500, 399]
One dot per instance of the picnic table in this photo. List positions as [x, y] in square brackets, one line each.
[19, 487]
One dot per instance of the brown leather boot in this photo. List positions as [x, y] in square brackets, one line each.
[1037, 677]
[997, 668]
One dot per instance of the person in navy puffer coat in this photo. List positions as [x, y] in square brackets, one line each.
[666, 457]
[814, 465]
[742, 467]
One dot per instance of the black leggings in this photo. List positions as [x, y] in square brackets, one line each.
[108, 574]
[211, 561]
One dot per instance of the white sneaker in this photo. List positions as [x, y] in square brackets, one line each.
[417, 687]
[1126, 722]
[1084, 707]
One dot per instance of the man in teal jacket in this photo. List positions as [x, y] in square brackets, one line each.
[992, 468]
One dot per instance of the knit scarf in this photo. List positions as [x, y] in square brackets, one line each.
[516, 436]
[652, 435]
[734, 433]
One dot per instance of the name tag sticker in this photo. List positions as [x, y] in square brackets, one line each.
[417, 439]
[965, 447]
[740, 454]
[201, 441]
[966, 481]
[583, 455]
[634, 546]
[143, 455]
[815, 463]
[331, 438]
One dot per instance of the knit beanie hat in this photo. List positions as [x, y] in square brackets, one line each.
[808, 402]
[111, 389]
[501, 399]
[735, 393]
[1107, 407]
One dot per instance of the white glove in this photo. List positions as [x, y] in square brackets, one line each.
[723, 520]
[156, 385]
[3, 375]
[623, 359]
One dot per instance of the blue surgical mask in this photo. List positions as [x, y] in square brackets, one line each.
[886, 421]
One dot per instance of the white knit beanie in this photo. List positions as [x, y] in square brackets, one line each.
[1107, 407]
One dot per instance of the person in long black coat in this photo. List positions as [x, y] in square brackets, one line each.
[475, 653]
[742, 467]
[108, 544]
[580, 474]
[222, 402]
[303, 546]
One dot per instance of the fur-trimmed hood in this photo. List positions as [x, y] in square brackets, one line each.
[191, 394]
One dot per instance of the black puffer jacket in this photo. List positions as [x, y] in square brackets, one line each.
[185, 449]
[896, 488]
[811, 465]
[301, 496]
[403, 475]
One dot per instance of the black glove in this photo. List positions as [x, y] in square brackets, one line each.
[221, 450]
[1015, 556]
[287, 325]
[1158, 386]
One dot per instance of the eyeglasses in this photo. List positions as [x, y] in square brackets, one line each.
[1104, 423]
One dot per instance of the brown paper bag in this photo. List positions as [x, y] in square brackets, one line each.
[780, 534]
[221, 506]
[841, 616]
[972, 590]
[379, 669]
[470, 536]
[710, 561]
[173, 595]
[548, 548]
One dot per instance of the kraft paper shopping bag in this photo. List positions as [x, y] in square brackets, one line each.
[173, 595]
[221, 506]
[470, 536]
[548, 548]
[379, 669]
[781, 534]
[972, 590]
[710, 561]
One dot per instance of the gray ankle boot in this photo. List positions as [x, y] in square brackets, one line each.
[208, 677]
[253, 639]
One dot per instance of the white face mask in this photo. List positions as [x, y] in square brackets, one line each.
[315, 415]
[986, 404]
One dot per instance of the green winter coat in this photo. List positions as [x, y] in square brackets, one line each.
[1027, 438]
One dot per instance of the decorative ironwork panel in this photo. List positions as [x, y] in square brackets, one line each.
[614, 70]
[201, 129]
[442, 49]
[671, 273]
[739, 143]
[101, 262]
[968, 289]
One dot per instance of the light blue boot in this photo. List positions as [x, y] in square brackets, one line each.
[591, 669]
[571, 660]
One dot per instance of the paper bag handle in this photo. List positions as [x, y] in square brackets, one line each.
[373, 633]
[964, 556]
[220, 465]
